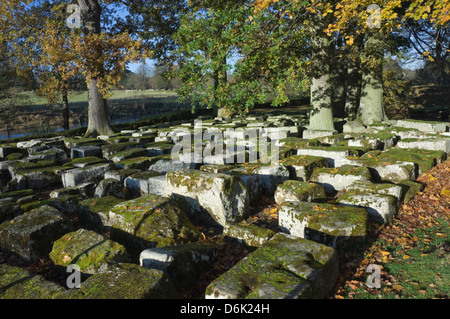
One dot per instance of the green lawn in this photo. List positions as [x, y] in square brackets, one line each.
[122, 103]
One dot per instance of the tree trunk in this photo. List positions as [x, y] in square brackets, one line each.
[321, 116]
[220, 76]
[98, 119]
[371, 109]
[65, 111]
[351, 94]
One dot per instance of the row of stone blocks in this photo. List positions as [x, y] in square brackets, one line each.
[320, 223]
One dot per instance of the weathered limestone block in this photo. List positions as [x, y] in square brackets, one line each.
[90, 251]
[410, 189]
[339, 178]
[381, 208]
[81, 162]
[159, 148]
[19, 283]
[86, 151]
[93, 212]
[9, 210]
[129, 153]
[120, 174]
[311, 134]
[166, 164]
[432, 144]
[109, 149]
[157, 185]
[252, 182]
[355, 127]
[182, 263]
[37, 178]
[378, 188]
[271, 176]
[76, 176]
[336, 155]
[294, 191]
[71, 142]
[140, 163]
[248, 234]
[125, 281]
[285, 267]
[297, 143]
[150, 221]
[137, 183]
[84, 189]
[28, 144]
[48, 154]
[388, 170]
[31, 235]
[302, 166]
[332, 225]
[110, 187]
[213, 168]
[6, 150]
[223, 197]
[423, 126]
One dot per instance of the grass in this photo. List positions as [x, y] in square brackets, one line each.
[422, 272]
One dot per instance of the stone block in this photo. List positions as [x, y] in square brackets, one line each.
[218, 197]
[381, 208]
[86, 151]
[157, 185]
[76, 176]
[301, 166]
[248, 234]
[125, 281]
[150, 221]
[20, 283]
[294, 191]
[339, 178]
[285, 267]
[332, 225]
[423, 126]
[182, 263]
[89, 250]
[137, 183]
[31, 235]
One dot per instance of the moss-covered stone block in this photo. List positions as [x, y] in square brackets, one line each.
[31, 235]
[329, 224]
[183, 263]
[125, 281]
[410, 189]
[296, 143]
[381, 207]
[19, 283]
[336, 155]
[89, 250]
[285, 267]
[139, 163]
[129, 153]
[293, 191]
[70, 142]
[94, 212]
[249, 234]
[150, 221]
[302, 166]
[339, 178]
[83, 162]
[218, 197]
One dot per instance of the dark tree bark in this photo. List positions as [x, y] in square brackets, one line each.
[98, 119]
[65, 111]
